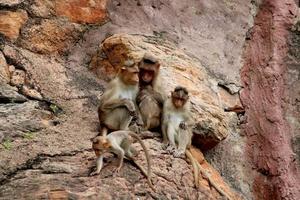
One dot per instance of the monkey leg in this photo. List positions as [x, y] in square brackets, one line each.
[120, 152]
[118, 119]
[183, 141]
[171, 133]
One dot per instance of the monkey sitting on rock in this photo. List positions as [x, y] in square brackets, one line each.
[117, 105]
[150, 98]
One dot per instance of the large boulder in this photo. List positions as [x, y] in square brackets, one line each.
[176, 69]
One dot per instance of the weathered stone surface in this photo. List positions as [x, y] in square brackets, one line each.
[12, 22]
[10, 94]
[276, 174]
[32, 93]
[17, 78]
[4, 70]
[129, 183]
[210, 119]
[82, 11]
[17, 119]
[42, 8]
[49, 36]
[10, 2]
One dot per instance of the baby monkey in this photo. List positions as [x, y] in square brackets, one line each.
[119, 143]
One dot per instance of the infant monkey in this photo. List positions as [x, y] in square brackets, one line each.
[119, 143]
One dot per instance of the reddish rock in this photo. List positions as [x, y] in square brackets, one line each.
[50, 36]
[12, 22]
[82, 11]
[267, 130]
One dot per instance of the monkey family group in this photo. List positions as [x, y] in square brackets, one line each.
[134, 104]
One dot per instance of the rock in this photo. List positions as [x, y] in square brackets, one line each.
[12, 22]
[82, 11]
[17, 78]
[42, 8]
[209, 116]
[49, 36]
[9, 94]
[67, 175]
[10, 3]
[4, 70]
[20, 118]
[56, 167]
[32, 93]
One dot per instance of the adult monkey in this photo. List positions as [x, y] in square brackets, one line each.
[150, 97]
[117, 105]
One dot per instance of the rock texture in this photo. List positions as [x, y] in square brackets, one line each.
[12, 22]
[265, 95]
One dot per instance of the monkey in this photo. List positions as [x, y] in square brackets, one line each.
[150, 104]
[176, 117]
[176, 125]
[150, 97]
[119, 142]
[117, 106]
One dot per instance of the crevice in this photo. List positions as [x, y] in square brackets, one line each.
[37, 160]
[7, 100]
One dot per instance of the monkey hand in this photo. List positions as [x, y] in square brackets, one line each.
[94, 173]
[182, 125]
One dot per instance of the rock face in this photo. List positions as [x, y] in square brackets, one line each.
[82, 11]
[265, 95]
[12, 22]
[56, 58]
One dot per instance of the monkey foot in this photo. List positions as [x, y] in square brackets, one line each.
[171, 149]
[94, 173]
[117, 171]
[179, 154]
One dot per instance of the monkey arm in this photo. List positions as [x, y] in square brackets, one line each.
[99, 165]
[139, 115]
[115, 103]
[158, 97]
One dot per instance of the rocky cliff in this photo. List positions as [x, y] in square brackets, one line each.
[57, 56]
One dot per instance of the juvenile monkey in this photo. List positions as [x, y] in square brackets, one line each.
[176, 121]
[117, 105]
[150, 98]
[176, 126]
[119, 142]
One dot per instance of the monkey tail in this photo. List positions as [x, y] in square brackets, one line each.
[195, 167]
[148, 174]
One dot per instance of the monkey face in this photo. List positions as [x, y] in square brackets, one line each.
[130, 75]
[100, 145]
[147, 76]
[178, 102]
[179, 97]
